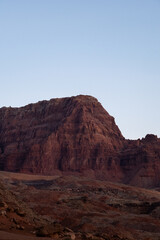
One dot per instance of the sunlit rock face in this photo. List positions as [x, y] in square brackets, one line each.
[75, 135]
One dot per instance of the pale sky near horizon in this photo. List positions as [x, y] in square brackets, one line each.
[109, 49]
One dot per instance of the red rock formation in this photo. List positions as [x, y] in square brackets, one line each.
[140, 162]
[74, 134]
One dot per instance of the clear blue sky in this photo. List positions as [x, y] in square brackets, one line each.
[106, 48]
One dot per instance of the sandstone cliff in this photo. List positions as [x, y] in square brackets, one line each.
[75, 135]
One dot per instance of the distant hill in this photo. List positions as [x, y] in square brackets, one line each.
[75, 135]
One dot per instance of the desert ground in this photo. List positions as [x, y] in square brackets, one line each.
[71, 207]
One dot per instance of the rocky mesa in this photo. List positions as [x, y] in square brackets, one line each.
[75, 135]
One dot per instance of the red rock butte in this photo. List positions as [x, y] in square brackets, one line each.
[75, 135]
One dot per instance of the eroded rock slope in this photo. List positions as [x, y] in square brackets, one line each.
[75, 135]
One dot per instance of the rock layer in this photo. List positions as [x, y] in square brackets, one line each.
[75, 135]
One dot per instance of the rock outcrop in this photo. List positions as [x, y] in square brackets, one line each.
[75, 135]
[140, 161]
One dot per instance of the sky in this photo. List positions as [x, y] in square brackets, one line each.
[109, 49]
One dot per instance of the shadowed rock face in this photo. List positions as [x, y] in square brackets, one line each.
[140, 161]
[75, 134]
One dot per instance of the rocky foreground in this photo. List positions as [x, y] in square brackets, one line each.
[75, 136]
[70, 207]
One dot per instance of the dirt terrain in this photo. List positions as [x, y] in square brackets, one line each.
[71, 207]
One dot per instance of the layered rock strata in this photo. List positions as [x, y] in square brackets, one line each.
[75, 135]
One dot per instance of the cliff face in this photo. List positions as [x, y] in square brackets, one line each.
[74, 134]
[140, 161]
[69, 134]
